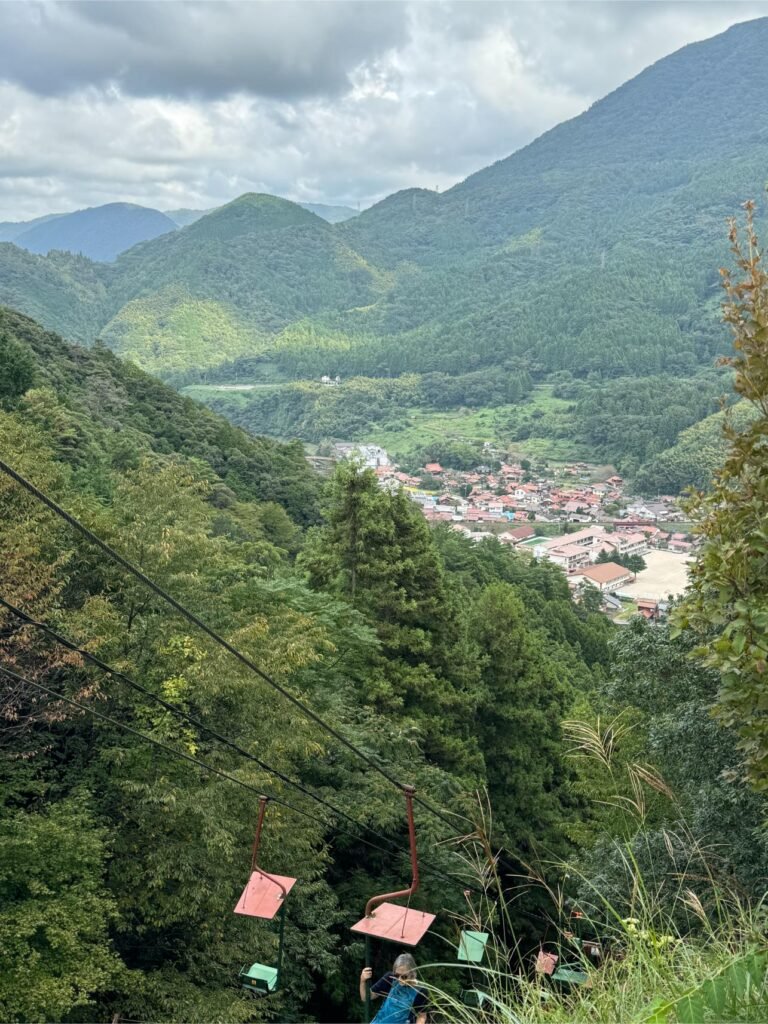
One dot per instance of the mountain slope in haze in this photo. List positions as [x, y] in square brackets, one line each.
[100, 232]
[333, 214]
[592, 251]
[63, 292]
[11, 229]
[238, 275]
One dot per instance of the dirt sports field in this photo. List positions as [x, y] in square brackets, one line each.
[666, 573]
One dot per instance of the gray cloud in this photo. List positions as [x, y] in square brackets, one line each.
[171, 104]
[207, 50]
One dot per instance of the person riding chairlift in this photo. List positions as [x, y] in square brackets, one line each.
[404, 1002]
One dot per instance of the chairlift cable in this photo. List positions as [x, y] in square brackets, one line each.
[216, 637]
[180, 754]
[177, 753]
[185, 716]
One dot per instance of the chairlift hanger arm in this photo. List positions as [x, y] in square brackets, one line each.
[374, 901]
[263, 800]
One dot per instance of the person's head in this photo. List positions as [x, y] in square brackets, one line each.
[404, 968]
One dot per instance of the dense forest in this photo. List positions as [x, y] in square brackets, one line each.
[559, 761]
[405, 640]
[593, 253]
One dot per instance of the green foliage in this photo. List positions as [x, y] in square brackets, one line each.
[352, 410]
[694, 459]
[172, 330]
[635, 563]
[376, 551]
[17, 369]
[101, 411]
[518, 720]
[728, 599]
[54, 931]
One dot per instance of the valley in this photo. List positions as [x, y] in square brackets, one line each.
[568, 270]
[420, 543]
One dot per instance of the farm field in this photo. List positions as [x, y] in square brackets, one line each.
[418, 426]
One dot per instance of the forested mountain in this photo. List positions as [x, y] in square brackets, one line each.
[593, 251]
[100, 232]
[96, 409]
[333, 214]
[423, 649]
[11, 229]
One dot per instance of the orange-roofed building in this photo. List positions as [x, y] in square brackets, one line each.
[608, 576]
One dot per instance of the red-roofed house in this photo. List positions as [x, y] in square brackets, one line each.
[648, 607]
[517, 534]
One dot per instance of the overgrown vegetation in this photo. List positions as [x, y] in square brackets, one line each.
[422, 648]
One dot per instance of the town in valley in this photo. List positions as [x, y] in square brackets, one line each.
[579, 516]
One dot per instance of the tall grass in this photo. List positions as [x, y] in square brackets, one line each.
[677, 942]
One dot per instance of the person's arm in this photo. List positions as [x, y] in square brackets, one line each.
[365, 976]
[379, 989]
[420, 1008]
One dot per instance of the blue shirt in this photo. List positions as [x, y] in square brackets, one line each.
[403, 1003]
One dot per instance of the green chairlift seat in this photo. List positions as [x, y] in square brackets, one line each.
[569, 975]
[472, 947]
[474, 998]
[471, 951]
[259, 980]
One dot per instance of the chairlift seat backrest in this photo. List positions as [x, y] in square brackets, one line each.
[259, 978]
[472, 946]
[395, 923]
[474, 997]
[262, 896]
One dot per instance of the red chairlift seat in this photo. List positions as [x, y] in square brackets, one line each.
[264, 897]
[393, 922]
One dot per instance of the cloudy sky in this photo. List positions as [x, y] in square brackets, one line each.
[174, 104]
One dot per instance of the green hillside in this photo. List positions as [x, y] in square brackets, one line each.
[63, 292]
[81, 395]
[126, 823]
[692, 460]
[266, 258]
[594, 252]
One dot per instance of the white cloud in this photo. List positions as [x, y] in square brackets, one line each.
[190, 104]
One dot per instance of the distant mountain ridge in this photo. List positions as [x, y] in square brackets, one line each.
[102, 232]
[11, 229]
[592, 251]
[333, 214]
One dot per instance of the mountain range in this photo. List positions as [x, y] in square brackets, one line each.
[102, 232]
[591, 253]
